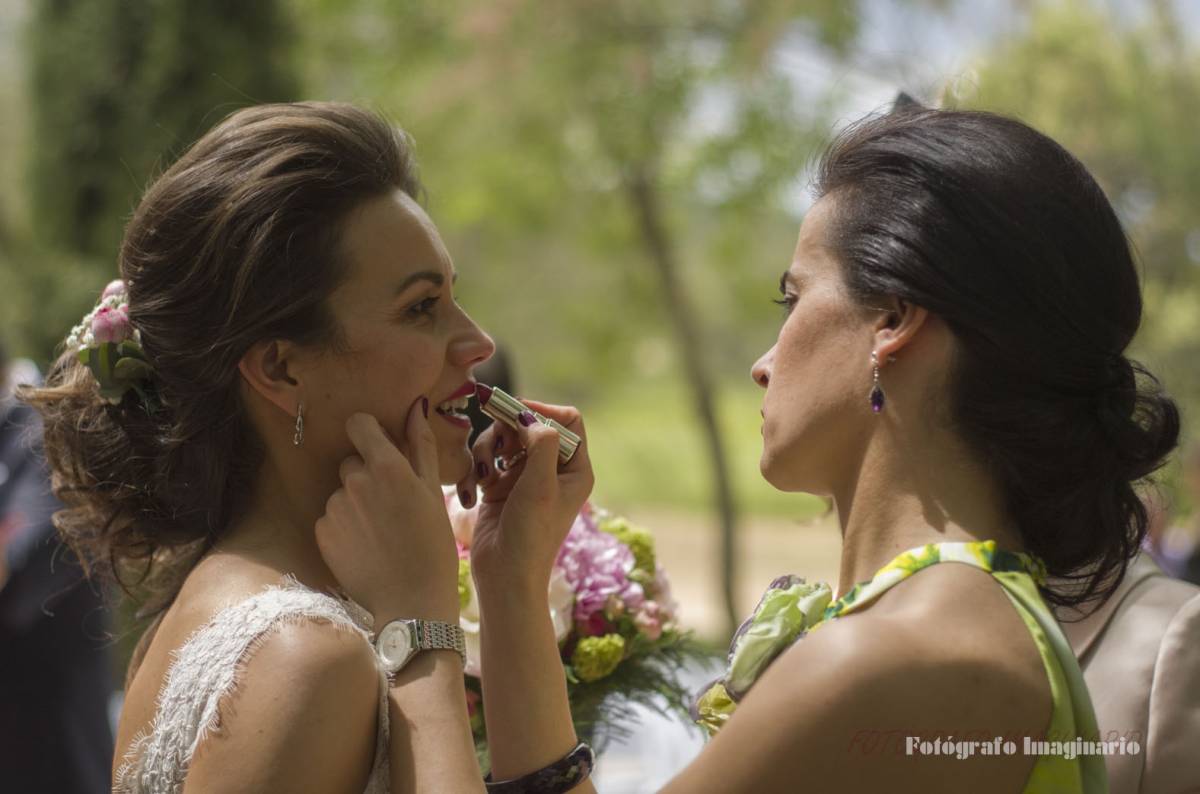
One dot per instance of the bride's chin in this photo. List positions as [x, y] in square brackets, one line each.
[454, 464]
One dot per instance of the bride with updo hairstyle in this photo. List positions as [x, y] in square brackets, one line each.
[273, 371]
[237, 242]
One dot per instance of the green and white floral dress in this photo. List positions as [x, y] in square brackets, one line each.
[791, 608]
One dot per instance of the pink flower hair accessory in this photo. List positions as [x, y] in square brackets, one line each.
[108, 344]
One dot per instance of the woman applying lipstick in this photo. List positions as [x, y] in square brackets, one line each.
[951, 370]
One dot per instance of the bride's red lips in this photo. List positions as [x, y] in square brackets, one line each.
[463, 391]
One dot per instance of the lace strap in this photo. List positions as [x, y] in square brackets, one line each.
[207, 668]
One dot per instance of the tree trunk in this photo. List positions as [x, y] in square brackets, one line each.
[643, 195]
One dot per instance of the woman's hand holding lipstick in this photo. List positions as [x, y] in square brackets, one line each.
[527, 509]
[524, 515]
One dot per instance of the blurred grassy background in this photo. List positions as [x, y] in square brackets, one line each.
[646, 453]
[537, 123]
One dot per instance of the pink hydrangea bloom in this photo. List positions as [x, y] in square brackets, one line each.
[111, 325]
[597, 566]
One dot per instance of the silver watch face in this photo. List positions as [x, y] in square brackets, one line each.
[396, 644]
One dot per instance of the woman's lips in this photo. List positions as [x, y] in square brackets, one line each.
[453, 408]
[456, 420]
[463, 391]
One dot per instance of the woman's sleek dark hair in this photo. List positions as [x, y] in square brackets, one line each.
[1002, 233]
[238, 241]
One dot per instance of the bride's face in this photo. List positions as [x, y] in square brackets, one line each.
[817, 376]
[405, 336]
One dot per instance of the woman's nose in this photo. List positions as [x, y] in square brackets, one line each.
[761, 369]
[472, 347]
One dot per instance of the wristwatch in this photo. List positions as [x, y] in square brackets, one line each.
[401, 640]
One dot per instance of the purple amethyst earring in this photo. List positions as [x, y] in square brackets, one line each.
[876, 397]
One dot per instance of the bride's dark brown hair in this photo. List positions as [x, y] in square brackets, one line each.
[236, 242]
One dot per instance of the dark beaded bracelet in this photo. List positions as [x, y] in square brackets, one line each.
[561, 776]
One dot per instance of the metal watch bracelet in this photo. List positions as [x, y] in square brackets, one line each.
[436, 635]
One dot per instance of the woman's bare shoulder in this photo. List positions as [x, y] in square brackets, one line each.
[840, 708]
[304, 716]
[299, 666]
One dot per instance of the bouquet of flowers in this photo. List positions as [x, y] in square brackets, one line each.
[614, 618]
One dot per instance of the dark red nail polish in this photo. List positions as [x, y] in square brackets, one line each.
[481, 469]
[425, 406]
[464, 496]
[499, 443]
[525, 418]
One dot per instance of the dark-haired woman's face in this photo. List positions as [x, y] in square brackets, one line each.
[818, 374]
[406, 335]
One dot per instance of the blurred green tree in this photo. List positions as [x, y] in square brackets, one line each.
[123, 86]
[117, 89]
[655, 128]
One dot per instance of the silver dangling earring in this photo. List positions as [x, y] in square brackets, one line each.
[876, 397]
[298, 439]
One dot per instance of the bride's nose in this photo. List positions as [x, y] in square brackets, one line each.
[471, 347]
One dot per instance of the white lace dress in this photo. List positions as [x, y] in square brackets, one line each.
[206, 668]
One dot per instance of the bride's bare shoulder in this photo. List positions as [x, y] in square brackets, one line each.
[299, 668]
[304, 717]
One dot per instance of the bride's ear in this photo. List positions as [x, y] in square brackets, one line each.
[265, 369]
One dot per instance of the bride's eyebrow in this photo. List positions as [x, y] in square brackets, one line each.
[432, 276]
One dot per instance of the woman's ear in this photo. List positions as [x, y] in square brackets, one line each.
[898, 323]
[265, 369]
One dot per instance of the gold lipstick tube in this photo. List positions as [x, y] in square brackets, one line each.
[503, 407]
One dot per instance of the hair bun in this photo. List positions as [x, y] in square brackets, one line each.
[1140, 421]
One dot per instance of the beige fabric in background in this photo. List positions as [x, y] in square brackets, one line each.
[1140, 654]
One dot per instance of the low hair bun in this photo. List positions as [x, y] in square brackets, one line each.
[1140, 422]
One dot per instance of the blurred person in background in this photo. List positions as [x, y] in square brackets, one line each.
[1191, 468]
[55, 675]
[1175, 546]
[1140, 655]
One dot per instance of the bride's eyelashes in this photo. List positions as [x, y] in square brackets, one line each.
[423, 309]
